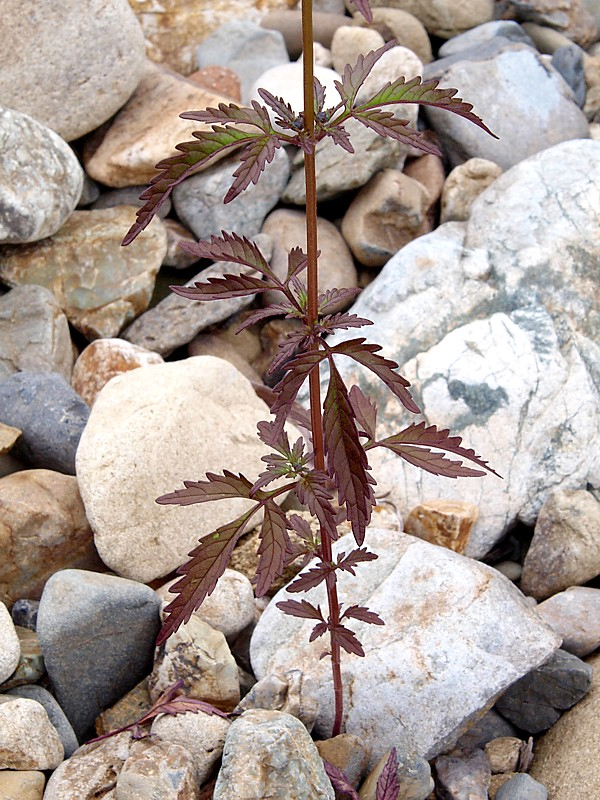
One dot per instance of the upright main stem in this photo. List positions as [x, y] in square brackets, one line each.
[314, 378]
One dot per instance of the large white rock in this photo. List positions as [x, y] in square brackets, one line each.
[149, 430]
[456, 634]
[10, 649]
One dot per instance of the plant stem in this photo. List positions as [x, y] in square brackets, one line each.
[314, 378]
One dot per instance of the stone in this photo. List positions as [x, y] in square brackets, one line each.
[22, 785]
[511, 569]
[37, 192]
[504, 754]
[591, 107]
[126, 711]
[489, 727]
[199, 199]
[203, 735]
[535, 702]
[448, 19]
[160, 424]
[24, 613]
[348, 753]
[161, 770]
[506, 28]
[218, 79]
[50, 415]
[198, 655]
[147, 128]
[230, 606]
[28, 740]
[463, 776]
[34, 333]
[444, 522]
[99, 285]
[110, 624]
[464, 185]
[289, 22]
[569, 62]
[405, 28]
[30, 668]
[287, 228]
[350, 41]
[245, 47]
[270, 754]
[55, 714]
[8, 438]
[484, 75]
[385, 215]
[102, 359]
[176, 257]
[290, 692]
[128, 196]
[43, 529]
[522, 787]
[10, 649]
[571, 18]
[414, 778]
[471, 616]
[213, 344]
[44, 74]
[429, 170]
[565, 549]
[575, 616]
[176, 320]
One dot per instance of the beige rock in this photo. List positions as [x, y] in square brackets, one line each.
[414, 777]
[565, 549]
[28, 740]
[158, 770]
[10, 649]
[102, 360]
[575, 616]
[289, 22]
[445, 19]
[350, 42]
[385, 215]
[30, 667]
[213, 344]
[591, 67]
[464, 185]
[497, 781]
[290, 692]
[444, 522]
[405, 28]
[504, 753]
[428, 169]
[570, 17]
[218, 79]
[43, 528]
[129, 709]
[147, 128]
[22, 785]
[99, 284]
[348, 753]
[566, 757]
[8, 437]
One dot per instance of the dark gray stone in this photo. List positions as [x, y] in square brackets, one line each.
[55, 714]
[568, 60]
[535, 702]
[463, 776]
[491, 726]
[24, 613]
[522, 787]
[97, 634]
[50, 415]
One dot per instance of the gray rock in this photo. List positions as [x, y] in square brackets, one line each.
[522, 787]
[575, 616]
[463, 776]
[40, 185]
[128, 196]
[489, 727]
[199, 200]
[494, 77]
[10, 649]
[573, 19]
[270, 754]
[24, 613]
[55, 714]
[456, 635]
[568, 61]
[414, 777]
[44, 74]
[246, 48]
[34, 333]
[290, 692]
[158, 770]
[508, 29]
[50, 415]
[101, 628]
[535, 702]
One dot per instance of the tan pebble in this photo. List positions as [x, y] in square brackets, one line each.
[443, 522]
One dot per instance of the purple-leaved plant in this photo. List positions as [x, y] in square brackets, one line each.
[329, 473]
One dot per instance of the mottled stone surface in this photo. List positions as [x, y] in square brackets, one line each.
[405, 28]
[155, 769]
[8, 437]
[22, 784]
[291, 692]
[348, 753]
[444, 522]
[575, 616]
[445, 19]
[28, 740]
[55, 714]
[464, 185]
[30, 667]
[10, 649]
[464, 776]
[574, 18]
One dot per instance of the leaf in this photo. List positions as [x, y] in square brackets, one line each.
[296, 412]
[384, 123]
[355, 557]
[346, 459]
[208, 562]
[354, 77]
[365, 411]
[286, 115]
[274, 310]
[340, 136]
[363, 614]
[297, 262]
[347, 640]
[319, 629]
[298, 370]
[287, 349]
[300, 608]
[224, 288]
[232, 248]
[312, 490]
[319, 96]
[328, 300]
[311, 578]
[254, 158]
[340, 782]
[365, 9]
[217, 487]
[388, 785]
[274, 541]
[227, 113]
[300, 526]
[366, 354]
[341, 322]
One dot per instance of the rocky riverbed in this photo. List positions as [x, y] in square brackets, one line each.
[480, 271]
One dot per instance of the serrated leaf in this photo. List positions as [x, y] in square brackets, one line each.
[254, 158]
[274, 310]
[355, 557]
[274, 542]
[340, 782]
[319, 629]
[300, 608]
[340, 136]
[300, 526]
[228, 113]
[217, 487]
[313, 492]
[342, 322]
[384, 123]
[286, 115]
[365, 411]
[354, 77]
[328, 300]
[297, 262]
[347, 640]
[388, 785]
[311, 578]
[364, 7]
[232, 248]
[296, 412]
[298, 370]
[346, 459]
[207, 563]
[287, 349]
[225, 288]
[367, 355]
[319, 96]
[363, 614]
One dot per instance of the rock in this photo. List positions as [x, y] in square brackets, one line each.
[572, 18]
[203, 408]
[246, 48]
[506, 28]
[10, 649]
[24, 784]
[8, 438]
[463, 776]
[102, 360]
[289, 22]
[464, 185]
[27, 738]
[348, 753]
[565, 550]
[55, 714]
[176, 234]
[504, 754]
[349, 42]
[444, 522]
[34, 333]
[270, 754]
[50, 415]
[489, 727]
[128, 196]
[158, 770]
[535, 702]
[522, 787]
[24, 613]
[213, 344]
[126, 711]
[511, 569]
[221, 80]
[385, 215]
[111, 624]
[591, 108]
[568, 61]
[428, 170]
[229, 608]
[287, 228]
[447, 19]
[100, 285]
[476, 612]
[30, 668]
[175, 321]
[198, 655]
[290, 692]
[483, 75]
[414, 777]
[52, 82]
[37, 192]
[405, 28]
[575, 616]
[203, 735]
[199, 199]
[43, 529]
[147, 128]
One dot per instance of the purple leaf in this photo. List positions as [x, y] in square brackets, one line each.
[365, 411]
[231, 247]
[328, 300]
[341, 322]
[313, 492]
[319, 96]
[300, 608]
[285, 113]
[384, 123]
[217, 487]
[354, 77]
[388, 785]
[296, 262]
[274, 541]
[275, 310]
[340, 782]
[363, 614]
[340, 136]
[347, 640]
[298, 370]
[224, 288]
[319, 629]
[311, 578]
[254, 158]
[228, 113]
[365, 9]
[287, 349]
[355, 557]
